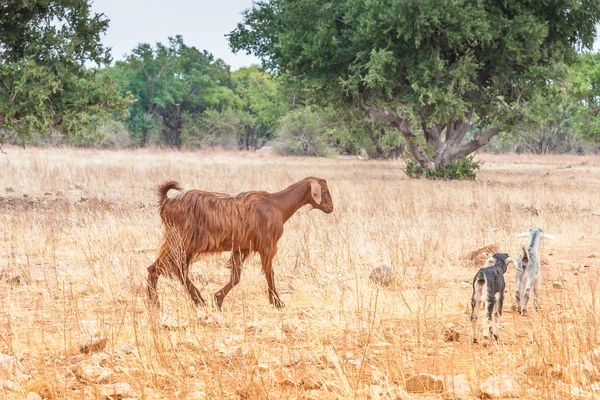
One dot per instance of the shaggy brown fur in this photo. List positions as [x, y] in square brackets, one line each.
[198, 222]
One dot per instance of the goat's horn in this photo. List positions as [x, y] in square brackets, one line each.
[524, 234]
[490, 260]
[546, 236]
[510, 260]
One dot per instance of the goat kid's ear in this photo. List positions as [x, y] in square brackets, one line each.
[315, 191]
[524, 234]
[546, 236]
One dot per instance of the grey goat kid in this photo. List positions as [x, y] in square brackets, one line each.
[528, 270]
[488, 287]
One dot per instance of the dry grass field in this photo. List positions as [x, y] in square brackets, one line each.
[79, 227]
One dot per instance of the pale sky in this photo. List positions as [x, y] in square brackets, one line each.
[202, 24]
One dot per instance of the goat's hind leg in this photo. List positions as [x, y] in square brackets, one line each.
[475, 305]
[518, 289]
[153, 274]
[526, 296]
[496, 314]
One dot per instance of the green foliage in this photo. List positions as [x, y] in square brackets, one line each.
[437, 69]
[43, 83]
[585, 95]
[464, 168]
[173, 85]
[303, 133]
[262, 100]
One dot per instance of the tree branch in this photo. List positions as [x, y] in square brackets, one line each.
[392, 119]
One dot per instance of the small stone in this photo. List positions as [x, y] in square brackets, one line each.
[591, 255]
[171, 323]
[558, 285]
[116, 391]
[422, 383]
[465, 285]
[450, 333]
[79, 187]
[40, 388]
[381, 275]
[84, 197]
[94, 345]
[191, 371]
[289, 359]
[320, 395]
[458, 386]
[15, 276]
[91, 373]
[9, 189]
[8, 385]
[280, 335]
[33, 396]
[571, 177]
[124, 348]
[503, 385]
[10, 364]
[253, 327]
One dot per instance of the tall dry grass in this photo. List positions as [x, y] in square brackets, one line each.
[81, 226]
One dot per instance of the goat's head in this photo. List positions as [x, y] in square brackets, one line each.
[535, 232]
[320, 197]
[500, 259]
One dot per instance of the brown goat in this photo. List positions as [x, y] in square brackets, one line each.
[198, 222]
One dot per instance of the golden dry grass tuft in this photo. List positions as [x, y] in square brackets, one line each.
[79, 227]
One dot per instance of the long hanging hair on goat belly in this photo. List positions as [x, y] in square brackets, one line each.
[198, 221]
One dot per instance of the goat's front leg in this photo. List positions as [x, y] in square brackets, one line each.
[183, 273]
[235, 262]
[267, 267]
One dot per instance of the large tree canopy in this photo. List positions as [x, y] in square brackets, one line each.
[44, 45]
[433, 69]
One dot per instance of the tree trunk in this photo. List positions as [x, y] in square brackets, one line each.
[443, 141]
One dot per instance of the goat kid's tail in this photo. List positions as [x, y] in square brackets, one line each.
[164, 189]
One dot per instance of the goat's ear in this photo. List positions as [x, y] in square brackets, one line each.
[524, 234]
[315, 191]
[546, 236]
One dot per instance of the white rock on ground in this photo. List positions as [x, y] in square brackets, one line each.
[502, 386]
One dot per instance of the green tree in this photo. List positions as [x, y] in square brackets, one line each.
[585, 94]
[173, 85]
[262, 99]
[44, 45]
[433, 69]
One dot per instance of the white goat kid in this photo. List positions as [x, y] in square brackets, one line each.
[528, 270]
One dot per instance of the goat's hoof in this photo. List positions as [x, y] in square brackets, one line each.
[278, 303]
[524, 313]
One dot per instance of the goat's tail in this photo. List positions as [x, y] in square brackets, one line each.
[164, 189]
